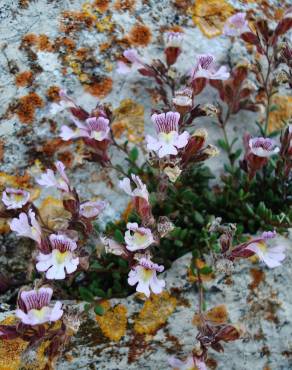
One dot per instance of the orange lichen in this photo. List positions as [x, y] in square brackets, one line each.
[113, 323]
[101, 87]
[217, 315]
[66, 43]
[53, 213]
[104, 46]
[1, 150]
[30, 39]
[129, 117]
[82, 53]
[140, 35]
[67, 158]
[101, 5]
[154, 313]
[53, 93]
[182, 4]
[258, 276]
[123, 5]
[44, 43]
[26, 106]
[204, 277]
[281, 112]
[24, 78]
[129, 209]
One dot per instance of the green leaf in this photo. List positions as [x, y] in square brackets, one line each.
[86, 294]
[99, 310]
[222, 144]
[96, 265]
[206, 270]
[134, 153]
[119, 237]
[198, 218]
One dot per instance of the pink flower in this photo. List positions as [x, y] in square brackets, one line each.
[27, 226]
[174, 39]
[94, 128]
[271, 256]
[263, 147]
[33, 307]
[137, 237]
[145, 275]
[135, 62]
[15, 198]
[49, 178]
[169, 139]
[205, 68]
[236, 25]
[140, 190]
[188, 364]
[91, 209]
[59, 259]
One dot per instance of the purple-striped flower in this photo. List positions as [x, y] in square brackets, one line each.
[135, 62]
[49, 179]
[33, 307]
[27, 226]
[168, 138]
[60, 259]
[15, 198]
[94, 128]
[236, 25]
[91, 209]
[137, 237]
[206, 68]
[263, 147]
[145, 275]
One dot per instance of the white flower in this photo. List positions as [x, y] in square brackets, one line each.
[137, 237]
[27, 226]
[15, 198]
[33, 307]
[60, 259]
[140, 190]
[271, 256]
[145, 275]
[49, 178]
[188, 364]
[263, 147]
[169, 139]
[174, 39]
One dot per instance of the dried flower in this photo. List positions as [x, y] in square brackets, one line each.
[145, 275]
[205, 68]
[65, 103]
[111, 246]
[236, 25]
[210, 110]
[15, 198]
[169, 140]
[33, 307]
[140, 191]
[94, 128]
[91, 209]
[60, 258]
[263, 147]
[49, 178]
[27, 226]
[172, 173]
[137, 237]
[183, 100]
[189, 364]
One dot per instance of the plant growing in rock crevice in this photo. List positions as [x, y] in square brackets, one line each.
[162, 222]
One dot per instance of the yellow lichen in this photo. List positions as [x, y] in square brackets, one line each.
[154, 313]
[216, 315]
[129, 117]
[281, 112]
[211, 15]
[113, 323]
[53, 213]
